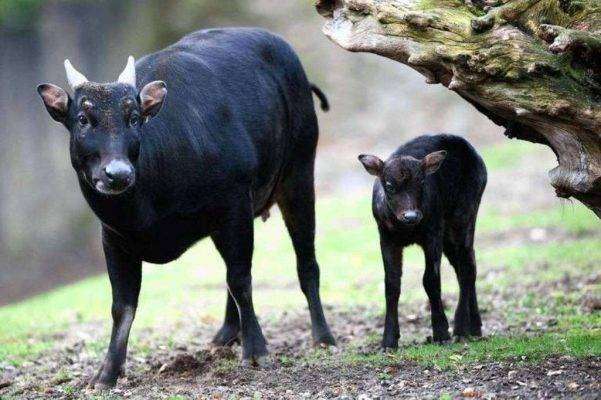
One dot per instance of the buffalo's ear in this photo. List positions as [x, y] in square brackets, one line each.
[372, 164]
[151, 98]
[56, 101]
[432, 161]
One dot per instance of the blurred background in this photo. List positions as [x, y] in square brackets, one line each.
[539, 284]
[48, 236]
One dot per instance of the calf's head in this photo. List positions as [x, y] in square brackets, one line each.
[402, 179]
[104, 121]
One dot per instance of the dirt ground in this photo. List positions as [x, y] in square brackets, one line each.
[181, 363]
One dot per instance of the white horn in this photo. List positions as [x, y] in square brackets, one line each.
[128, 76]
[74, 77]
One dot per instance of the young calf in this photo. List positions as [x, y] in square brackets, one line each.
[237, 133]
[428, 193]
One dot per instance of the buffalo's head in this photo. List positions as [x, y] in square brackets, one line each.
[104, 120]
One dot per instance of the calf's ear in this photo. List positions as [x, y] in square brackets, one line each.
[432, 161]
[152, 96]
[372, 164]
[56, 101]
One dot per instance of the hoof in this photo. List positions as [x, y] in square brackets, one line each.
[97, 384]
[461, 339]
[476, 332]
[226, 337]
[325, 340]
[255, 362]
[390, 343]
[442, 340]
[105, 380]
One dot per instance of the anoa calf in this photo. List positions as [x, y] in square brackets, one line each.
[236, 134]
[428, 193]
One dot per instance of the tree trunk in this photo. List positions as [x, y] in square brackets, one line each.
[532, 66]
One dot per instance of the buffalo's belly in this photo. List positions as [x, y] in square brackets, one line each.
[168, 240]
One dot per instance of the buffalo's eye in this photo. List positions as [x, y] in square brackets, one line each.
[389, 187]
[82, 119]
[134, 120]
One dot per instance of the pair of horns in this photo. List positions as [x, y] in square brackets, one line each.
[76, 78]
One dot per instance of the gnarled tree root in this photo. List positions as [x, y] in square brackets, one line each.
[532, 66]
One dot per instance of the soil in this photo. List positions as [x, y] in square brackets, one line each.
[180, 362]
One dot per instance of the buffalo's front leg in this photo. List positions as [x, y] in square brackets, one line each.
[234, 241]
[431, 280]
[392, 256]
[125, 273]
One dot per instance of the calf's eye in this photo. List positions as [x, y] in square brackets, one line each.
[389, 187]
[82, 119]
[134, 120]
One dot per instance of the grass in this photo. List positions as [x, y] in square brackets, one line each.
[575, 342]
[192, 288]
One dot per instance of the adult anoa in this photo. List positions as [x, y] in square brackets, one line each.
[428, 192]
[236, 134]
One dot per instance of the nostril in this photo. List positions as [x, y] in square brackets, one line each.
[410, 215]
[109, 173]
[118, 171]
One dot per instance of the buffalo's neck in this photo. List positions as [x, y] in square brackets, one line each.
[120, 212]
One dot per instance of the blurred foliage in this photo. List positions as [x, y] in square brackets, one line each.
[23, 14]
[16, 14]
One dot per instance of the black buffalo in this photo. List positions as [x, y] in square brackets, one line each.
[236, 134]
[428, 192]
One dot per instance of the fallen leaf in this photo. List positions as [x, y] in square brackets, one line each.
[470, 392]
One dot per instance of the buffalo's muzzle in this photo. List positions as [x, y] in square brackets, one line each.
[411, 217]
[118, 176]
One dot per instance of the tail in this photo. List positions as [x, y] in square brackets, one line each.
[324, 104]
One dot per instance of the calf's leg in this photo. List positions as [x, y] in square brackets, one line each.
[431, 281]
[297, 203]
[228, 334]
[125, 274]
[234, 241]
[392, 256]
[467, 316]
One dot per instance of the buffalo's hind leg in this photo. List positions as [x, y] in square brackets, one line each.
[234, 241]
[229, 333]
[296, 200]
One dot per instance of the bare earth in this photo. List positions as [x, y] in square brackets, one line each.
[191, 368]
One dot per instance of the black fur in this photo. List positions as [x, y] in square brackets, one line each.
[448, 199]
[237, 133]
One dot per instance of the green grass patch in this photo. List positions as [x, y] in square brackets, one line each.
[575, 342]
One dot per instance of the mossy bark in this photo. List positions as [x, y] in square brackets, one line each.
[532, 66]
